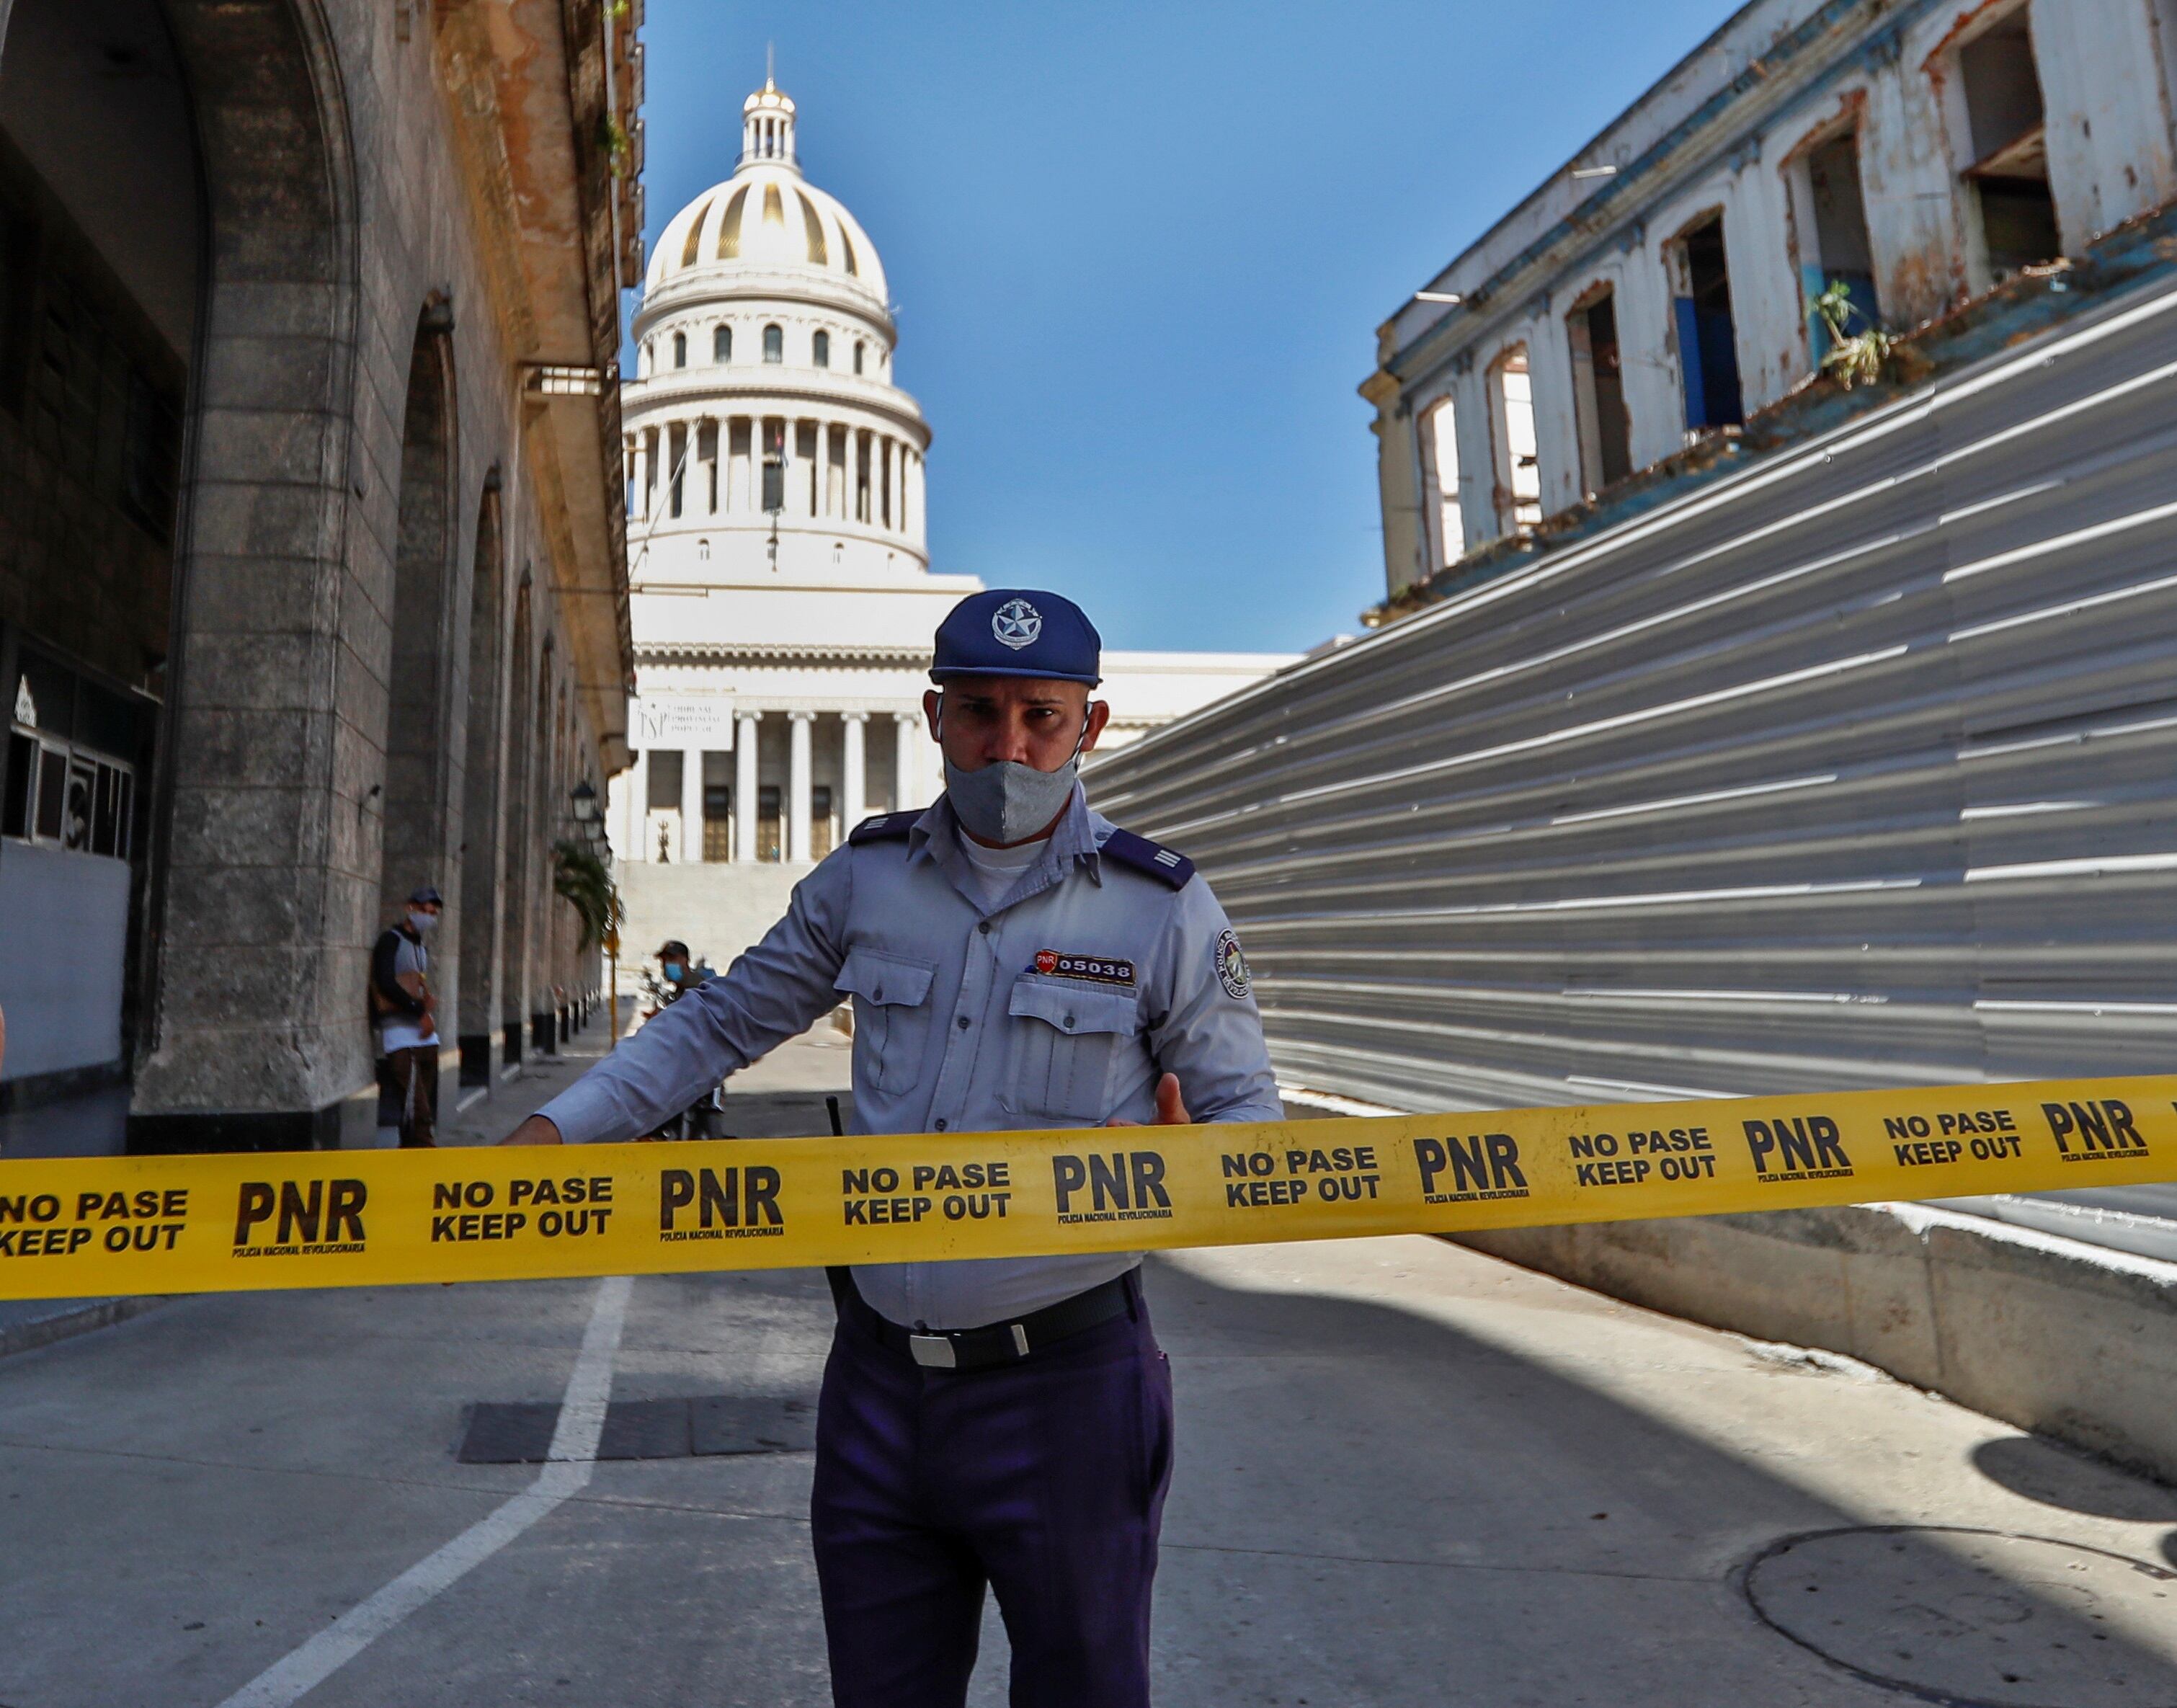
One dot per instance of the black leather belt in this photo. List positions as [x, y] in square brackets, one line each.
[994, 1343]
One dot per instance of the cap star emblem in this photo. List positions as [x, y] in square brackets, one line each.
[1016, 623]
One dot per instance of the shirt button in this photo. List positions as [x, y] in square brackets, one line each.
[963, 1022]
[877, 994]
[941, 1123]
[984, 928]
[1069, 1023]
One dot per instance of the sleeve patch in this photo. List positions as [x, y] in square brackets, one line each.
[1232, 966]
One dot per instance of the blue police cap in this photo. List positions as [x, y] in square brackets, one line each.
[1017, 631]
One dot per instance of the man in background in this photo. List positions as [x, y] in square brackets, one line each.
[407, 1025]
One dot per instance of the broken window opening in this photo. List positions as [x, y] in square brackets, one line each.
[1519, 472]
[1842, 253]
[1598, 388]
[1708, 339]
[1440, 456]
[2007, 121]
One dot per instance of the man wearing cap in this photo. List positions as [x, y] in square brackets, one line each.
[407, 1024]
[1015, 962]
[680, 973]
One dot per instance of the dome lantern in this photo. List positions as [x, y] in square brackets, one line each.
[767, 128]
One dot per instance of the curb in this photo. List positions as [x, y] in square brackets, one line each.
[47, 1320]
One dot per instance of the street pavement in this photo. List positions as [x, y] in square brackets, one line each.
[1407, 1474]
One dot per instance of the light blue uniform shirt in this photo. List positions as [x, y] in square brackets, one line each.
[1059, 1006]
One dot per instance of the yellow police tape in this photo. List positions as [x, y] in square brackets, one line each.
[203, 1224]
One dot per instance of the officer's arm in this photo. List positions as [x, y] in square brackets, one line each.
[1209, 1032]
[775, 992]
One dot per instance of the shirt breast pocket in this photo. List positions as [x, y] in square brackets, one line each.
[1063, 1045]
[891, 1013]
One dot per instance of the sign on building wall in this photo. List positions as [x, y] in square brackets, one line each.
[704, 724]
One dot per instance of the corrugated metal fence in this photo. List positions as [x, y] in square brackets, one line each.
[1859, 768]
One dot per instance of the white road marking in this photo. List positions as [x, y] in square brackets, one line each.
[573, 1458]
[474, 1097]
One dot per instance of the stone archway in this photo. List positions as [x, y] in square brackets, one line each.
[420, 784]
[483, 747]
[103, 237]
[521, 873]
[536, 901]
[245, 1013]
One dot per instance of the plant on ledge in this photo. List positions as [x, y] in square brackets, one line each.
[1856, 358]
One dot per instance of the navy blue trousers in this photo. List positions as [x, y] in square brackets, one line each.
[1043, 1479]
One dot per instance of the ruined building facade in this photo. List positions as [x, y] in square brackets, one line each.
[313, 585]
[1653, 297]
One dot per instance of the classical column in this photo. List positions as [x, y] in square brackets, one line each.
[691, 807]
[642, 476]
[744, 786]
[798, 847]
[635, 809]
[906, 732]
[853, 768]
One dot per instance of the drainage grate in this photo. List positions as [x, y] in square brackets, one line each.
[707, 1426]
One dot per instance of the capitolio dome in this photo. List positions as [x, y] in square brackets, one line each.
[767, 215]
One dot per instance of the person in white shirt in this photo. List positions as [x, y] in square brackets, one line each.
[407, 1015]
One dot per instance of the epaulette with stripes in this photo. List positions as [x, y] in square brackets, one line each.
[1146, 856]
[886, 826]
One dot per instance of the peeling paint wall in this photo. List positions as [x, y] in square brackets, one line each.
[1731, 130]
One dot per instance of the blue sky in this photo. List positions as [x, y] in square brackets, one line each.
[1140, 252]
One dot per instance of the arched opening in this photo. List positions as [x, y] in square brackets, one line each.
[478, 906]
[774, 344]
[543, 1026]
[721, 344]
[521, 869]
[820, 349]
[145, 126]
[418, 790]
[102, 240]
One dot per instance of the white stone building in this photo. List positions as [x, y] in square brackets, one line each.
[783, 600]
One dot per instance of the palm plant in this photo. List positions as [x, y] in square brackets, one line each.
[580, 877]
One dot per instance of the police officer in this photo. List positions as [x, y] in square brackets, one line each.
[1016, 961]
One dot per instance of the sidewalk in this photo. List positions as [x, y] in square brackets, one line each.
[781, 1097]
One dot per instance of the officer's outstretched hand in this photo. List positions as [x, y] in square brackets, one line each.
[1171, 1109]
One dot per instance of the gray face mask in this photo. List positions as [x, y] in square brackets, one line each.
[1006, 801]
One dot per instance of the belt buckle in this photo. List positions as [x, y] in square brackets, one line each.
[933, 1351]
